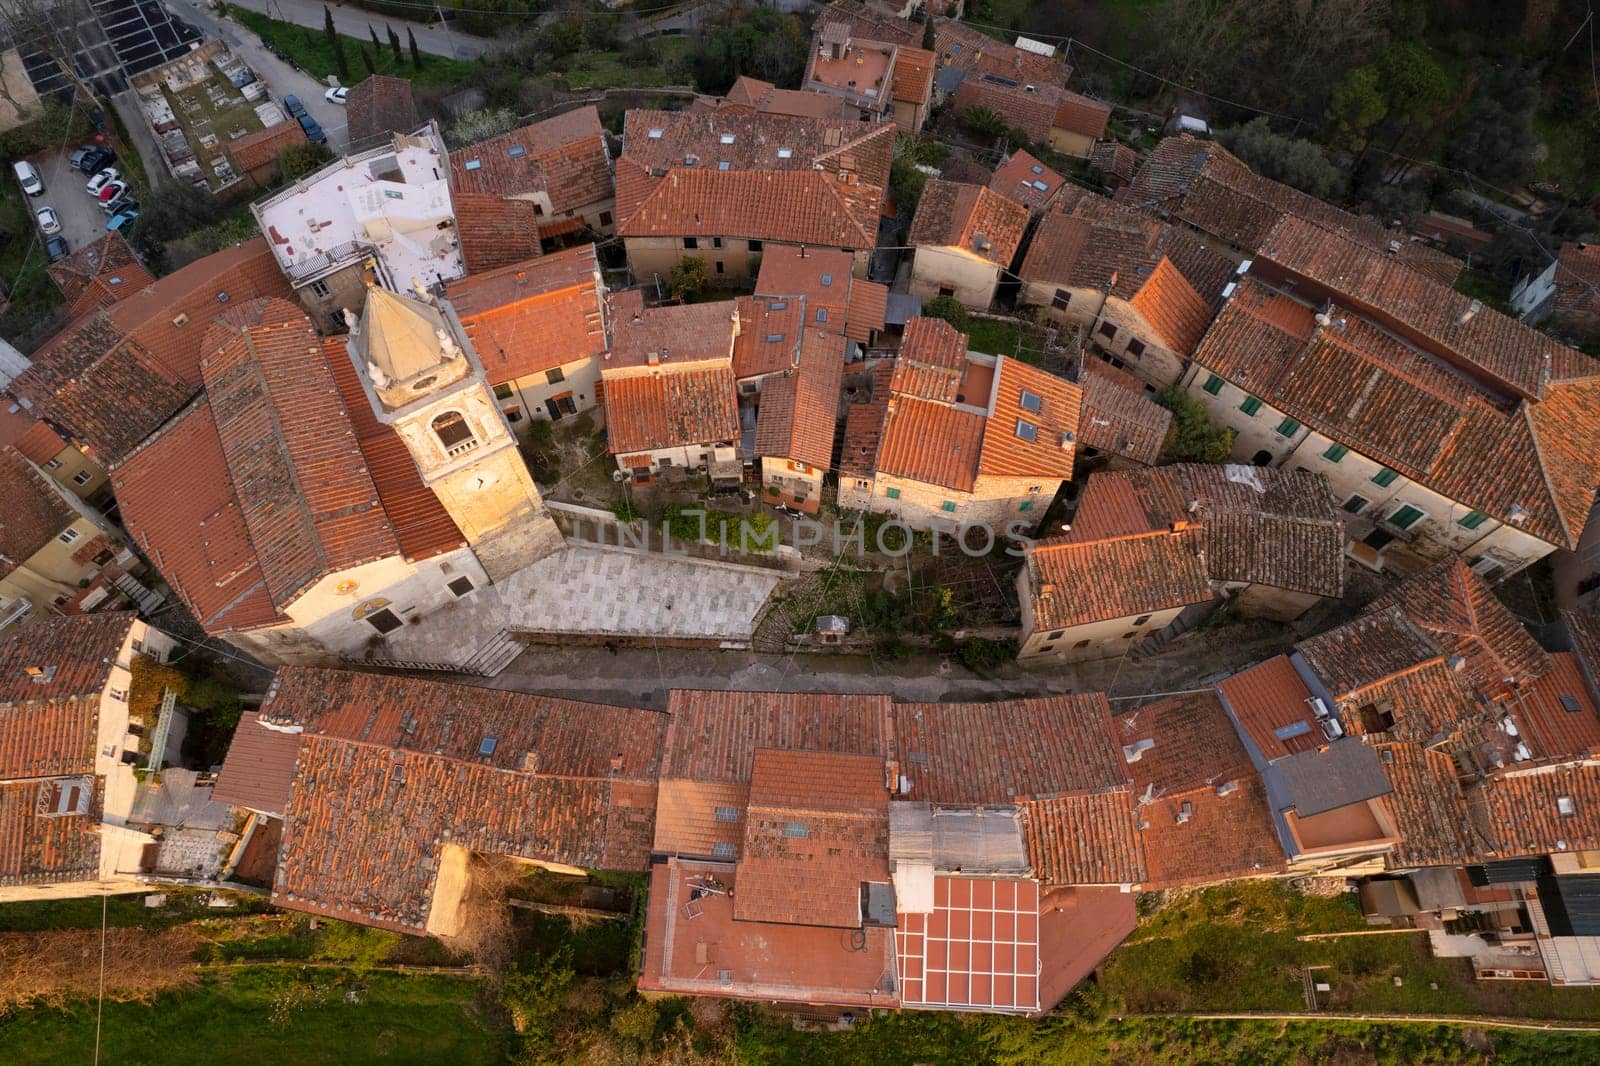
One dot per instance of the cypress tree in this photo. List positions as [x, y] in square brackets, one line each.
[336, 43]
[394, 45]
[416, 54]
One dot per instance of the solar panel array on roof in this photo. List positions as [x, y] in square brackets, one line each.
[1571, 904]
[1508, 871]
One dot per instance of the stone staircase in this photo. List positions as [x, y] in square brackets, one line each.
[148, 599]
[497, 653]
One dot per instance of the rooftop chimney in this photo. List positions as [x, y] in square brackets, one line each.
[1185, 812]
[1227, 787]
[1469, 312]
[1135, 751]
[654, 358]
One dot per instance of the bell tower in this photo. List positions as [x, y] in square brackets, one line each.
[422, 377]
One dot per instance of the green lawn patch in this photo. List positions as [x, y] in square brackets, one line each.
[996, 338]
[274, 1015]
[310, 50]
[611, 70]
[183, 905]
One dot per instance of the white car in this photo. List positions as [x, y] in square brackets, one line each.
[49, 222]
[101, 180]
[337, 95]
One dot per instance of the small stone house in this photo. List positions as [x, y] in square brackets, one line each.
[965, 237]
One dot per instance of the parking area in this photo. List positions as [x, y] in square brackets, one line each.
[82, 221]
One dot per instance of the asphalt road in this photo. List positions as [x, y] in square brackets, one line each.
[432, 38]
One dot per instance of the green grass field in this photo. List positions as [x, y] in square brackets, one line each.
[269, 1015]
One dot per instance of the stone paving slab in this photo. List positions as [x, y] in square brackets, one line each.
[596, 592]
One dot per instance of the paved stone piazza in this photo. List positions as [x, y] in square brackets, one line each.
[593, 591]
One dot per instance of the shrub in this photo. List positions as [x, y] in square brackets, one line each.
[981, 653]
[1193, 437]
[298, 160]
[689, 278]
[895, 649]
[624, 511]
[356, 945]
[949, 309]
[532, 994]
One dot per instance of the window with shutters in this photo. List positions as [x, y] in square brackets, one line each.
[1385, 477]
[1250, 406]
[1213, 385]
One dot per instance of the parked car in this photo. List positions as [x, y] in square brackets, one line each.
[111, 190]
[125, 202]
[28, 175]
[77, 158]
[123, 220]
[101, 180]
[56, 248]
[292, 104]
[99, 158]
[49, 221]
[313, 131]
[336, 95]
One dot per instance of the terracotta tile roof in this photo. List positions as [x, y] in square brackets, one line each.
[1026, 180]
[1361, 653]
[1428, 311]
[931, 361]
[421, 524]
[816, 828]
[695, 817]
[864, 21]
[34, 511]
[1118, 417]
[99, 274]
[535, 315]
[113, 377]
[795, 207]
[1178, 315]
[259, 768]
[1080, 114]
[1583, 628]
[934, 443]
[799, 410]
[959, 45]
[564, 157]
[307, 499]
[671, 409]
[1522, 813]
[976, 754]
[1078, 839]
[1202, 808]
[1037, 111]
[1368, 391]
[261, 148]
[1556, 712]
[969, 217]
[822, 276]
[47, 726]
[390, 766]
[378, 106]
[1113, 159]
[1021, 389]
[1429, 809]
[763, 96]
[680, 334]
[197, 538]
[1079, 581]
[40, 849]
[37, 443]
[912, 77]
[1270, 697]
[713, 736]
[1577, 279]
[1202, 184]
[1457, 610]
[864, 424]
[770, 334]
[495, 232]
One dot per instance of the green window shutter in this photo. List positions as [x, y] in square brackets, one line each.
[1335, 452]
[1472, 519]
[1025, 505]
[1213, 385]
[1405, 517]
[1288, 427]
[1250, 406]
[893, 494]
[948, 505]
[1385, 477]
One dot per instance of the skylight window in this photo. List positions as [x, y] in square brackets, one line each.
[726, 138]
[1037, 169]
[785, 153]
[473, 164]
[722, 850]
[723, 164]
[778, 305]
[516, 151]
[774, 338]
[727, 814]
[822, 314]
[486, 748]
[797, 830]
[827, 279]
[1027, 431]
[1031, 401]
[655, 135]
[1570, 703]
[1041, 186]
[1292, 730]
[1565, 807]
